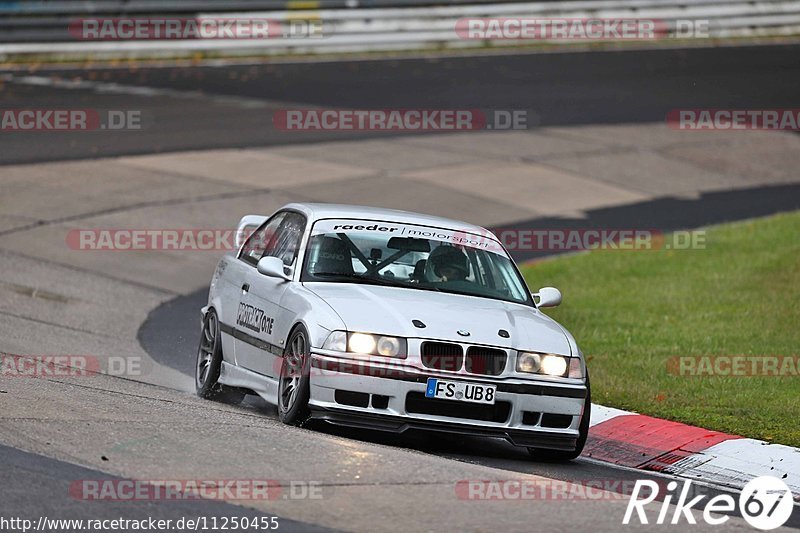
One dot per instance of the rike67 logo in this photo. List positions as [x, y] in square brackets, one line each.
[765, 503]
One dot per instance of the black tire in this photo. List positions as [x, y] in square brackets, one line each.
[294, 384]
[559, 456]
[209, 362]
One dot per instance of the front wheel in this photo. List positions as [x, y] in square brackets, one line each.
[294, 383]
[209, 362]
[542, 454]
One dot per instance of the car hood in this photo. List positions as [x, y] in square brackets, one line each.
[390, 311]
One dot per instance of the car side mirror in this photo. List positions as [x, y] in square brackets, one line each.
[272, 267]
[548, 297]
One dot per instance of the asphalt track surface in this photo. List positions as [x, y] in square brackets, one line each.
[557, 89]
[28, 480]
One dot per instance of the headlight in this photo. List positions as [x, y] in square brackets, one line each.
[549, 364]
[368, 344]
[529, 362]
[361, 343]
[336, 341]
[554, 365]
[388, 346]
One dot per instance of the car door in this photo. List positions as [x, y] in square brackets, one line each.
[263, 310]
[244, 322]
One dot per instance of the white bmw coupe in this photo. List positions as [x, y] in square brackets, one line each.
[391, 320]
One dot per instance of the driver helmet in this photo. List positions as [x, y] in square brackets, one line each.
[449, 262]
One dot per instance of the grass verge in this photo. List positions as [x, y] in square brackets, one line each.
[631, 311]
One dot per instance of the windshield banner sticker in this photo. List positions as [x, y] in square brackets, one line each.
[480, 241]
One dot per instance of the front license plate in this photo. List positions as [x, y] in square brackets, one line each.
[460, 391]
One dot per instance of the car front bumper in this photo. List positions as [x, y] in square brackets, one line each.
[391, 398]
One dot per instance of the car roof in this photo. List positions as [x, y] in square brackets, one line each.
[317, 211]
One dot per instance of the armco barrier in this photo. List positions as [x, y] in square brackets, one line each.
[42, 28]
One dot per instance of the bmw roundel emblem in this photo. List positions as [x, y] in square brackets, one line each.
[463, 332]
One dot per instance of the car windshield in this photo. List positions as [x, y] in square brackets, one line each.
[412, 256]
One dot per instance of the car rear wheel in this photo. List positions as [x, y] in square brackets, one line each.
[545, 455]
[293, 385]
[209, 362]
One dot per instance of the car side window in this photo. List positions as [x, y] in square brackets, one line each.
[286, 241]
[254, 247]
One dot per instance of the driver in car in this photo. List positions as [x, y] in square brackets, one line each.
[449, 263]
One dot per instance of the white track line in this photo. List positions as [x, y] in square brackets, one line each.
[100, 87]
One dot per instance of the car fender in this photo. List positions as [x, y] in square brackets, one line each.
[314, 313]
[214, 300]
[573, 345]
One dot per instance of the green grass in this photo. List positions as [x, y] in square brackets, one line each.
[632, 310]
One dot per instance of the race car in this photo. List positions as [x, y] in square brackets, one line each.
[391, 320]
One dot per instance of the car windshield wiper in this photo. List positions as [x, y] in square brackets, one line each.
[360, 277]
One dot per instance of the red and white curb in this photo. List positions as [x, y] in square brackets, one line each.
[647, 443]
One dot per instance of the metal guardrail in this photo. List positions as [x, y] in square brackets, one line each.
[42, 28]
[131, 7]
